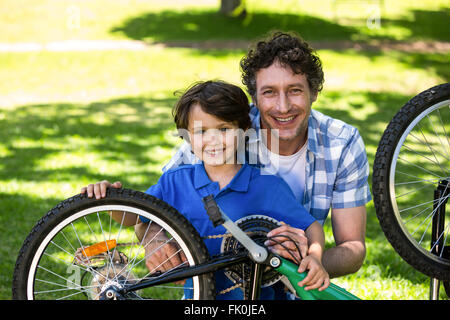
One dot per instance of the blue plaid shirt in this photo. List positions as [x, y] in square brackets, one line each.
[337, 170]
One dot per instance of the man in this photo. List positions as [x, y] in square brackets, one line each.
[322, 159]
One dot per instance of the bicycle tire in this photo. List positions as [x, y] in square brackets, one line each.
[79, 213]
[401, 179]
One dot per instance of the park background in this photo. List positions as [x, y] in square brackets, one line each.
[87, 87]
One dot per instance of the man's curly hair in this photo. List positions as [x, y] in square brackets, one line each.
[290, 50]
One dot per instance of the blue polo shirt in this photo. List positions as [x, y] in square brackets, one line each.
[248, 193]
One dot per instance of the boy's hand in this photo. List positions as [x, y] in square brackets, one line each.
[99, 189]
[317, 277]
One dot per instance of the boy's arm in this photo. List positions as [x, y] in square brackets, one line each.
[316, 240]
[317, 277]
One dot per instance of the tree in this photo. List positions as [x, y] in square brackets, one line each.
[233, 8]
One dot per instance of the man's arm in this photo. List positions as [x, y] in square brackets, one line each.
[349, 231]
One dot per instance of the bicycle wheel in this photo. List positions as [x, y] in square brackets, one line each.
[411, 182]
[77, 250]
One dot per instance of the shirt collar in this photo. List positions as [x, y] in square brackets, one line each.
[239, 182]
[315, 138]
[312, 134]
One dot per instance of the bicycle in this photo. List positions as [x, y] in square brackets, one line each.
[411, 183]
[76, 251]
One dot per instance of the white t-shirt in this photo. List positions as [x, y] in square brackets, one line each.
[291, 168]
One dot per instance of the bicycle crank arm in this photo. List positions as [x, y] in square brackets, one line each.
[258, 253]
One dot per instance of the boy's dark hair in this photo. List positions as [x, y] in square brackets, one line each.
[290, 50]
[218, 98]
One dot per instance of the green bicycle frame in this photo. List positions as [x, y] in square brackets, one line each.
[333, 292]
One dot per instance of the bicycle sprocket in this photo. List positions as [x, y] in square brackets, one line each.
[257, 227]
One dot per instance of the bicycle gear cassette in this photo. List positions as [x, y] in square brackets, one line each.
[257, 227]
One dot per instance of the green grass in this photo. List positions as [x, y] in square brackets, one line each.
[71, 118]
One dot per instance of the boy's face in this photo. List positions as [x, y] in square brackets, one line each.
[284, 101]
[212, 139]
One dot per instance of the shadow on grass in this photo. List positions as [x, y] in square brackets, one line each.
[18, 214]
[171, 26]
[350, 107]
[180, 27]
[117, 131]
[424, 24]
[434, 62]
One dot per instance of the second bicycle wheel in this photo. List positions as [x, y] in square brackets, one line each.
[77, 250]
[411, 182]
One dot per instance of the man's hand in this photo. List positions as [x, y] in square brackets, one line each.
[99, 189]
[284, 235]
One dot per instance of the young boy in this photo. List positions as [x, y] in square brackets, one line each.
[212, 115]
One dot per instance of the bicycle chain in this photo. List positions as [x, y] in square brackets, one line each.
[228, 235]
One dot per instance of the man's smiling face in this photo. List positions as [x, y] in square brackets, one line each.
[284, 101]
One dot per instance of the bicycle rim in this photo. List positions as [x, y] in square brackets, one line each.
[56, 272]
[420, 164]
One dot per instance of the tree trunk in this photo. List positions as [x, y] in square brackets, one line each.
[228, 7]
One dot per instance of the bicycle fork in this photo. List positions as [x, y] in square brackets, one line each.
[438, 247]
